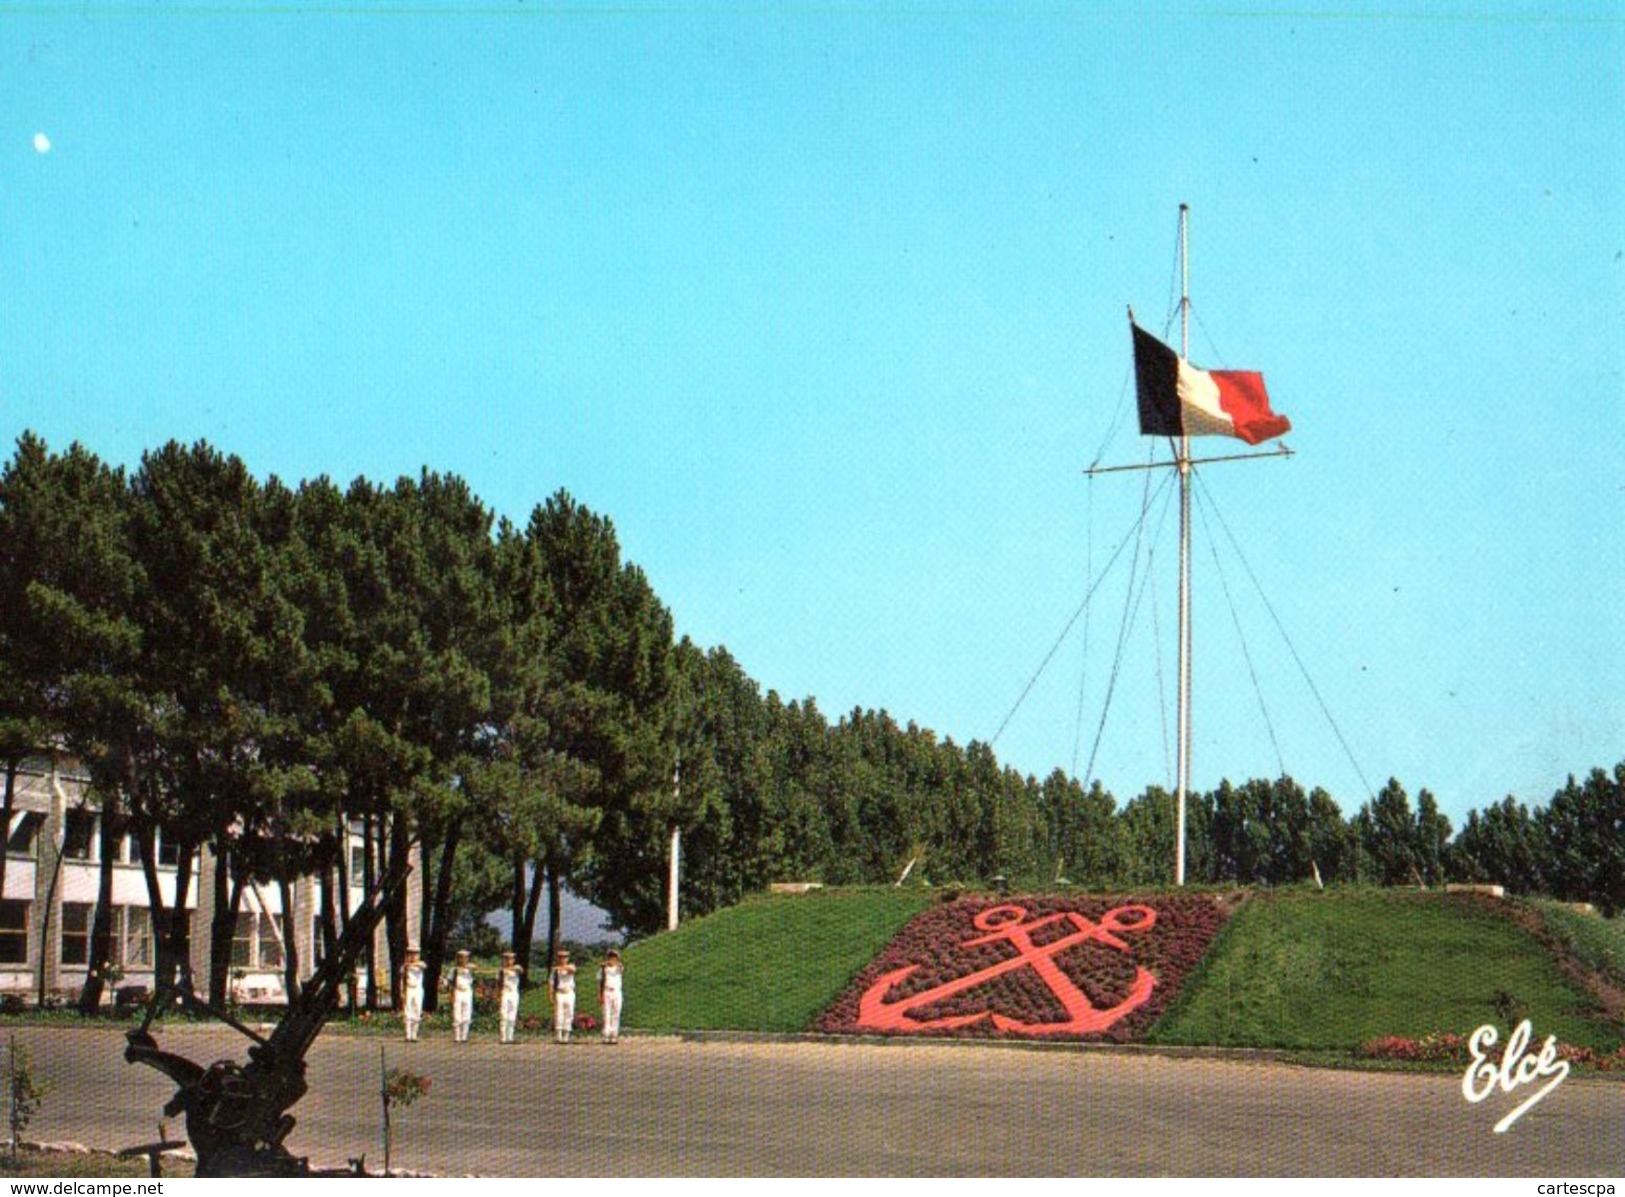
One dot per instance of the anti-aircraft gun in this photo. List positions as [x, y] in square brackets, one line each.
[237, 1114]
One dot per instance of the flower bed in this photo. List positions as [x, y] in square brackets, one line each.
[1439, 1046]
[1048, 967]
[1453, 1048]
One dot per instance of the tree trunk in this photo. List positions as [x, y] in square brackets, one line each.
[431, 948]
[163, 945]
[228, 896]
[12, 765]
[425, 945]
[288, 938]
[290, 941]
[554, 905]
[172, 921]
[439, 926]
[343, 873]
[101, 927]
[533, 902]
[369, 875]
[517, 939]
[180, 922]
[395, 934]
[325, 916]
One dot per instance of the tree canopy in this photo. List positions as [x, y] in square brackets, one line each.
[267, 670]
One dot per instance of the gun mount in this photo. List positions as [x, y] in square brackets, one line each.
[237, 1114]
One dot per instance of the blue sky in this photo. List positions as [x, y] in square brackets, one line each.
[824, 307]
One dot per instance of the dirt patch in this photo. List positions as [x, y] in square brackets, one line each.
[1609, 995]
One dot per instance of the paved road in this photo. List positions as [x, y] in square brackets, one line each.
[668, 1107]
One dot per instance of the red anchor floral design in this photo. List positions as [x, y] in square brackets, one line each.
[1007, 922]
[1049, 966]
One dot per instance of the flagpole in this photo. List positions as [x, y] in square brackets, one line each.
[1185, 464]
[1184, 460]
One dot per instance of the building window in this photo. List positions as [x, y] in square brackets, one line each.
[242, 942]
[78, 833]
[131, 933]
[13, 931]
[255, 946]
[169, 852]
[358, 864]
[24, 838]
[270, 945]
[137, 938]
[76, 932]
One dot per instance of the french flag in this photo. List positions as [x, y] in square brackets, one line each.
[1179, 399]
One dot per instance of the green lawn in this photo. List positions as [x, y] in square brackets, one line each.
[94, 1165]
[1332, 970]
[769, 964]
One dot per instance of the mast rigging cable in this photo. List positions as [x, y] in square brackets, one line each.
[1065, 631]
[1292, 648]
[1202, 504]
[1131, 607]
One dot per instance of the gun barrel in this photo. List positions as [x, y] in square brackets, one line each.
[310, 1010]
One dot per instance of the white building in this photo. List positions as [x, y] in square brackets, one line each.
[47, 906]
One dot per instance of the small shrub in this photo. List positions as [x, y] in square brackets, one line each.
[111, 974]
[26, 1093]
[402, 1087]
[1508, 1009]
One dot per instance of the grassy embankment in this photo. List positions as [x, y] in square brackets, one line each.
[770, 963]
[1293, 969]
[1330, 971]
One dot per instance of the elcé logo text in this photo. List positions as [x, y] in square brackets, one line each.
[1513, 1070]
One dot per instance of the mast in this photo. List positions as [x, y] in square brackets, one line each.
[1183, 458]
[1186, 465]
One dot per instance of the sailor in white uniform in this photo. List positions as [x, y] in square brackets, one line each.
[511, 974]
[462, 997]
[412, 994]
[561, 985]
[609, 995]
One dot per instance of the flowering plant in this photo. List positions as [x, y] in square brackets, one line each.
[402, 1088]
[399, 1087]
[110, 973]
[27, 1091]
[1453, 1048]
[1589, 1057]
[584, 1022]
[1434, 1046]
